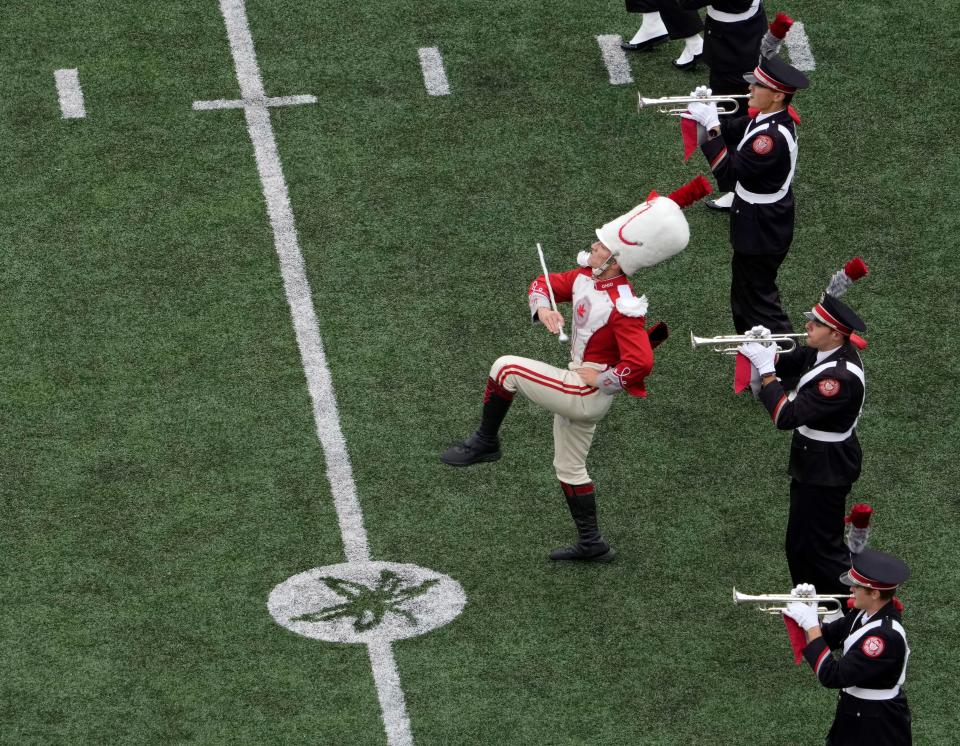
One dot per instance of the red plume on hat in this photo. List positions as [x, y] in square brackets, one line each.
[843, 278]
[840, 283]
[692, 191]
[859, 522]
[781, 25]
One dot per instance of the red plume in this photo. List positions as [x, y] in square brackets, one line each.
[859, 515]
[857, 341]
[855, 268]
[898, 604]
[781, 25]
[691, 192]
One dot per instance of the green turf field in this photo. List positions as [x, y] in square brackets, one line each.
[161, 470]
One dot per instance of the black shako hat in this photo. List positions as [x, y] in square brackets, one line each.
[877, 570]
[837, 315]
[776, 74]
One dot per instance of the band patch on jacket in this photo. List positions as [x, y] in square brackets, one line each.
[762, 144]
[873, 646]
[581, 312]
[829, 387]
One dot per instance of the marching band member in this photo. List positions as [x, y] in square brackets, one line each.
[756, 157]
[610, 352]
[735, 36]
[825, 454]
[872, 668]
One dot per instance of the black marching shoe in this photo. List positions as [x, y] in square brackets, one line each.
[688, 65]
[646, 44]
[472, 451]
[599, 551]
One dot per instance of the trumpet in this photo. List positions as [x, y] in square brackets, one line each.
[677, 105]
[775, 603]
[728, 345]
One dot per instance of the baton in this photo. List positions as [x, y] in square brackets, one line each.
[553, 301]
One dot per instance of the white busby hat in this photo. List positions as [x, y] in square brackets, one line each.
[654, 230]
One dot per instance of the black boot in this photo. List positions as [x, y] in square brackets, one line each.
[472, 451]
[483, 445]
[591, 547]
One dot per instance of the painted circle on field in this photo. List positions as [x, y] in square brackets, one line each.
[364, 602]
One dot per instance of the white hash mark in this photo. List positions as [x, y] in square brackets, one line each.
[434, 75]
[70, 93]
[615, 59]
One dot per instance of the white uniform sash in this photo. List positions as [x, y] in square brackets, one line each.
[756, 198]
[719, 15]
[878, 694]
[825, 436]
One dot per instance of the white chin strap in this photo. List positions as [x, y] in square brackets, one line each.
[597, 271]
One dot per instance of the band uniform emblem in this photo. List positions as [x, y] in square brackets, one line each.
[581, 313]
[873, 646]
[829, 387]
[762, 144]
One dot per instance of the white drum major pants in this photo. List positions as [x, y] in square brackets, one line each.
[576, 407]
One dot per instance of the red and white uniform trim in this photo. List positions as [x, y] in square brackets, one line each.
[525, 371]
[608, 326]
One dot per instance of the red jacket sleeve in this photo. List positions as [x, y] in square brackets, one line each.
[636, 355]
[539, 296]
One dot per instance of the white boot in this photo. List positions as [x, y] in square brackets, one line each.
[651, 31]
[692, 50]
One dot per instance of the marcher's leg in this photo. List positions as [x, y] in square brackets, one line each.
[829, 556]
[590, 546]
[754, 296]
[652, 31]
[572, 441]
[483, 445]
[680, 23]
[814, 541]
[797, 530]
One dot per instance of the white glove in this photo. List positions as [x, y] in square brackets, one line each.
[758, 332]
[704, 114]
[770, 45]
[804, 614]
[763, 356]
[701, 91]
[804, 590]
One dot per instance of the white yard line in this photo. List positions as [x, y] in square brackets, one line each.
[615, 59]
[70, 93]
[256, 109]
[798, 45]
[223, 103]
[434, 76]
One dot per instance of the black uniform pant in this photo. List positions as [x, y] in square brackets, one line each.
[680, 23]
[754, 296]
[816, 552]
[863, 722]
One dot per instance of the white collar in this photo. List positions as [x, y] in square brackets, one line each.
[824, 354]
[761, 117]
